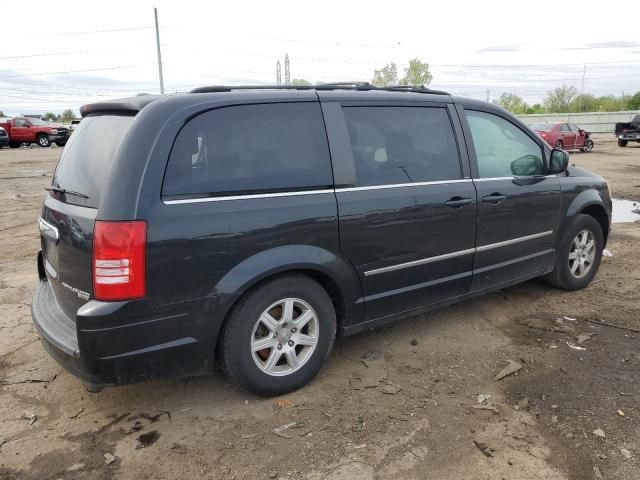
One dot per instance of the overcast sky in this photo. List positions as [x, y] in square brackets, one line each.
[76, 52]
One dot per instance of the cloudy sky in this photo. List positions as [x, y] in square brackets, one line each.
[82, 51]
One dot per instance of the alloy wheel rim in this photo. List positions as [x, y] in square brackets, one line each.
[284, 337]
[589, 146]
[43, 141]
[582, 254]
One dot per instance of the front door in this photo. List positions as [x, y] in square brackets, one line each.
[568, 137]
[518, 205]
[20, 131]
[579, 135]
[408, 225]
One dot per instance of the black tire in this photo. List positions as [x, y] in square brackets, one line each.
[559, 144]
[561, 275]
[43, 141]
[588, 146]
[622, 143]
[238, 332]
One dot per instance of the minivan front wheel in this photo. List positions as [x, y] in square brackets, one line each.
[579, 254]
[279, 336]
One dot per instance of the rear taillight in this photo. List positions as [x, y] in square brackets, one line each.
[119, 251]
[543, 135]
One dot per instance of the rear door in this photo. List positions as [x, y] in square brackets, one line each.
[67, 220]
[518, 205]
[407, 220]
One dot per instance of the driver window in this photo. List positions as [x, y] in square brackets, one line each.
[564, 128]
[502, 149]
[21, 123]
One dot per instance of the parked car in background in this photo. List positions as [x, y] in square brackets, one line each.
[249, 226]
[33, 130]
[4, 138]
[567, 136]
[73, 125]
[628, 132]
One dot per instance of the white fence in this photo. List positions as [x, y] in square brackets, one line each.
[594, 122]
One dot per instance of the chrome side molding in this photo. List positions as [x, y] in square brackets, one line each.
[459, 253]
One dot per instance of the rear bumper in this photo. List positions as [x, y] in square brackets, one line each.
[114, 343]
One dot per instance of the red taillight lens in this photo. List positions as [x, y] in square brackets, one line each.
[119, 251]
[543, 135]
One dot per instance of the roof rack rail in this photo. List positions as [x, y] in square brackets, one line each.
[356, 85]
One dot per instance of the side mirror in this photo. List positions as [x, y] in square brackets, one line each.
[527, 166]
[558, 161]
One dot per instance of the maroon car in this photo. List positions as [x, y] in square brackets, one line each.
[564, 135]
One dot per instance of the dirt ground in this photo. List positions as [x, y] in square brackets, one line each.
[399, 402]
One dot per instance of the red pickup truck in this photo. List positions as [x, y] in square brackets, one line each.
[33, 130]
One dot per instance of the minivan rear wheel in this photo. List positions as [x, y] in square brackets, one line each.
[279, 335]
[579, 254]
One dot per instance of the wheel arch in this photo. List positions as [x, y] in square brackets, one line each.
[598, 212]
[333, 272]
[590, 202]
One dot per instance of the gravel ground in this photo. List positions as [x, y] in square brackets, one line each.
[399, 402]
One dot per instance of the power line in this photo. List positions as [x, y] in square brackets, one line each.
[71, 71]
[77, 52]
[88, 32]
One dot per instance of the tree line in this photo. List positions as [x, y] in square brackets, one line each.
[66, 116]
[567, 99]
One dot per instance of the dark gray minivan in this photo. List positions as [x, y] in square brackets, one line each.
[247, 226]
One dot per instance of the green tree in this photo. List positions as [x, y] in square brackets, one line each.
[49, 116]
[585, 102]
[512, 102]
[1, 114]
[559, 100]
[67, 115]
[417, 73]
[633, 103]
[300, 82]
[611, 103]
[386, 76]
[535, 108]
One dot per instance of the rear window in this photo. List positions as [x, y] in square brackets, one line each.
[86, 160]
[250, 149]
[541, 127]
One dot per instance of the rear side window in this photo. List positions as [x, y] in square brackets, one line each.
[248, 149]
[86, 160]
[394, 145]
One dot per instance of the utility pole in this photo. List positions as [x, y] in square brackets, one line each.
[584, 72]
[287, 71]
[155, 13]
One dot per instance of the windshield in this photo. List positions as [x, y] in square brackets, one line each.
[542, 127]
[86, 160]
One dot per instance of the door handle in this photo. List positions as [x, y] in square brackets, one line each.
[457, 202]
[494, 198]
